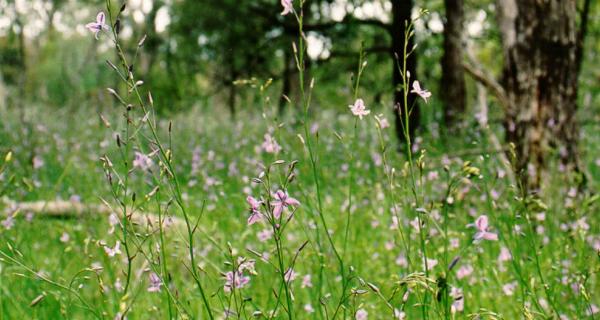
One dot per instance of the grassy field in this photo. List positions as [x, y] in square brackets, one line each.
[113, 212]
[545, 261]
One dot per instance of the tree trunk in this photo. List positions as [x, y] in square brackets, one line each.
[540, 79]
[401, 16]
[453, 77]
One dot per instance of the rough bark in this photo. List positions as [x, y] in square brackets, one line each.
[540, 80]
[453, 77]
[401, 16]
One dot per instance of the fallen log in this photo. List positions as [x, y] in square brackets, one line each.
[75, 209]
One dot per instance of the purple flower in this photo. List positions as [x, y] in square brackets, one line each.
[282, 200]
[482, 230]
[99, 25]
[235, 280]
[421, 92]
[255, 214]
[142, 161]
[9, 222]
[361, 314]
[288, 7]
[155, 283]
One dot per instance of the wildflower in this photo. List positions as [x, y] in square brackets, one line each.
[155, 283]
[464, 271]
[270, 145]
[111, 252]
[459, 303]
[482, 230]
[113, 220]
[64, 237]
[431, 263]
[99, 25]
[248, 265]
[265, 234]
[361, 314]
[309, 308]
[37, 162]
[118, 285]
[288, 7]
[142, 161]
[421, 92]
[255, 214]
[359, 109]
[290, 275]
[402, 261]
[509, 288]
[415, 223]
[306, 281]
[235, 280]
[9, 222]
[282, 200]
[382, 121]
[400, 315]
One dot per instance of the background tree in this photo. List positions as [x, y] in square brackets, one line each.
[453, 84]
[540, 41]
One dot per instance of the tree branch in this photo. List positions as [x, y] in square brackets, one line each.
[478, 73]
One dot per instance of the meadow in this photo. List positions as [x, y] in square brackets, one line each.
[116, 211]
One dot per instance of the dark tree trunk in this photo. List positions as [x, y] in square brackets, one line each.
[401, 17]
[540, 79]
[231, 98]
[453, 91]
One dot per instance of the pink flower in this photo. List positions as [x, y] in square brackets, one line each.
[421, 92]
[270, 145]
[459, 303]
[235, 280]
[265, 234]
[482, 230]
[382, 121]
[309, 308]
[9, 222]
[509, 288]
[64, 237]
[504, 254]
[464, 271]
[306, 281]
[290, 275]
[142, 161]
[282, 200]
[99, 25]
[288, 7]
[155, 283]
[361, 314]
[255, 214]
[359, 109]
[111, 252]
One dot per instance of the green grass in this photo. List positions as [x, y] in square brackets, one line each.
[375, 233]
[70, 151]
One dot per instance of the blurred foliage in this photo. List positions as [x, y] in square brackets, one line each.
[194, 59]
